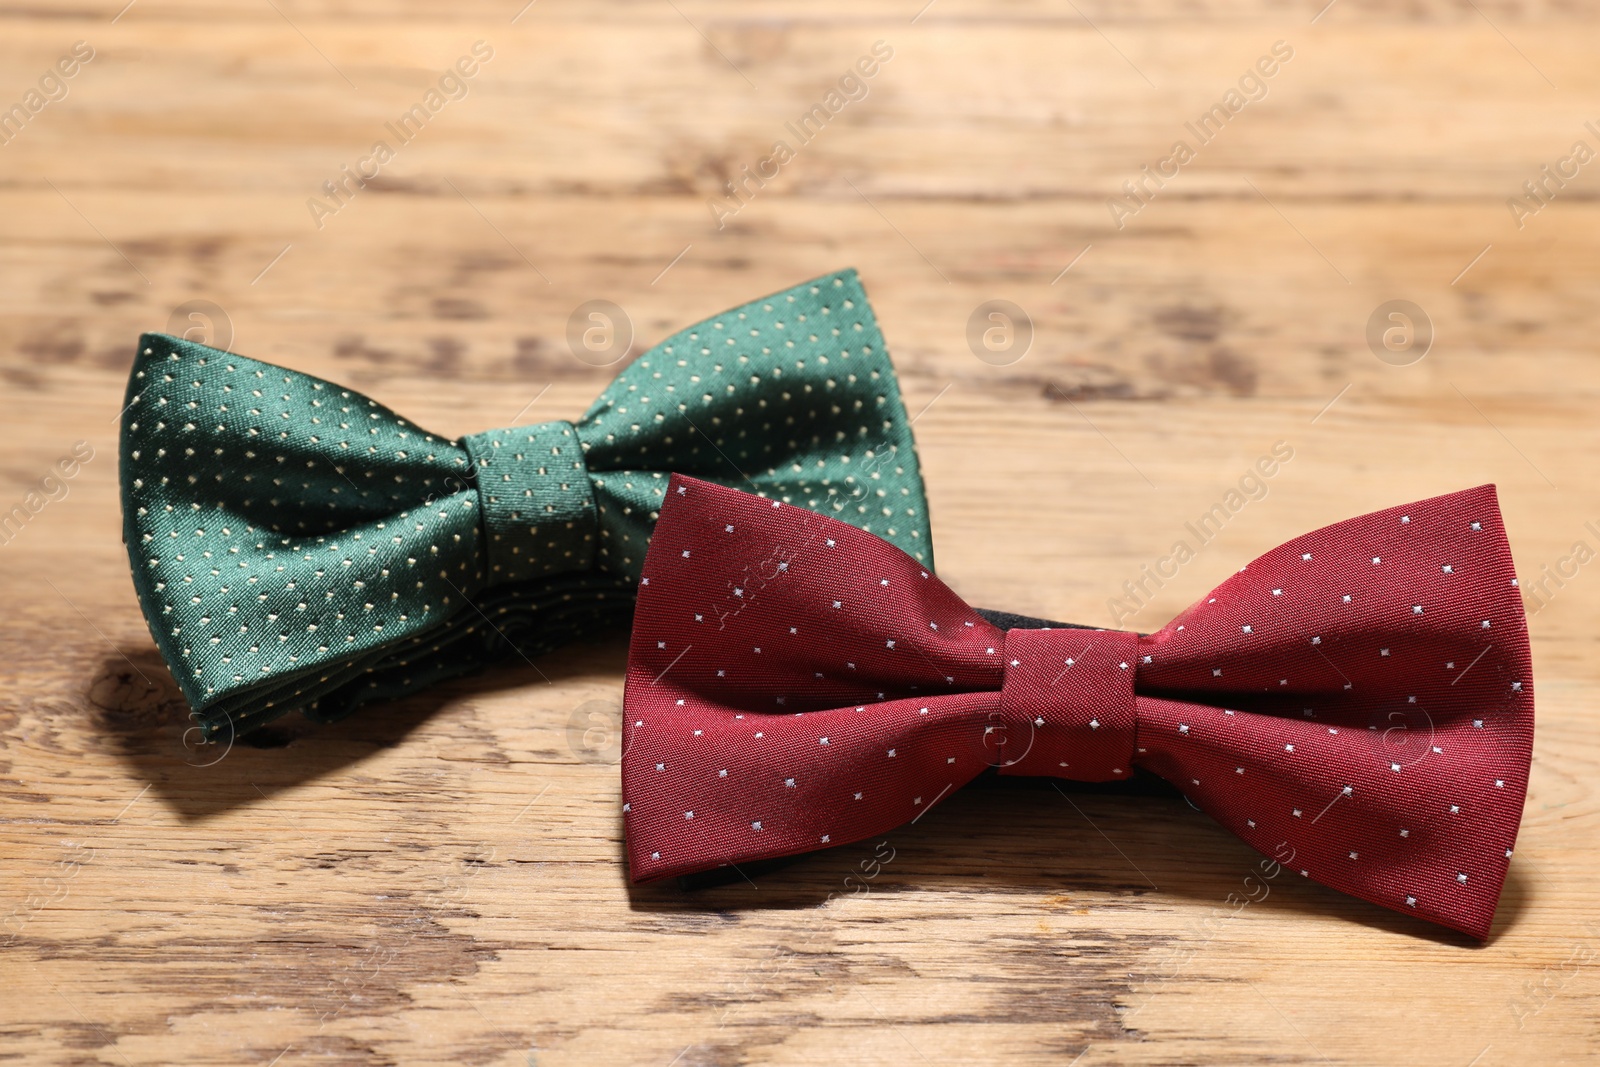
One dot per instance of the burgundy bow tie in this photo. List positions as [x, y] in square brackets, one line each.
[1359, 699]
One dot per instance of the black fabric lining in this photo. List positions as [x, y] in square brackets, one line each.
[1007, 620]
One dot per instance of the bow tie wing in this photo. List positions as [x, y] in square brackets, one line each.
[791, 396]
[274, 521]
[706, 786]
[793, 682]
[850, 617]
[1358, 608]
[1358, 703]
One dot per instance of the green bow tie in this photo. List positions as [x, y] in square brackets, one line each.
[297, 545]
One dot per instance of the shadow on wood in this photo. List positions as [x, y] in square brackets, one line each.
[134, 702]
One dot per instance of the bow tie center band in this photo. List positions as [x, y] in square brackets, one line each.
[1083, 681]
[535, 500]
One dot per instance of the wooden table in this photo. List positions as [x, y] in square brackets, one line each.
[441, 881]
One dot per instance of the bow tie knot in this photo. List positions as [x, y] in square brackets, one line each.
[1067, 704]
[537, 501]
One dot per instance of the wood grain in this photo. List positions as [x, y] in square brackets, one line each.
[441, 880]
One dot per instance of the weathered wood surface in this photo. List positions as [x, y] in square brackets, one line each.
[441, 881]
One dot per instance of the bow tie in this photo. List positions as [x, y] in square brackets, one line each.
[297, 545]
[1356, 704]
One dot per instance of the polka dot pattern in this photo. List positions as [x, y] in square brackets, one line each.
[295, 544]
[1357, 704]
